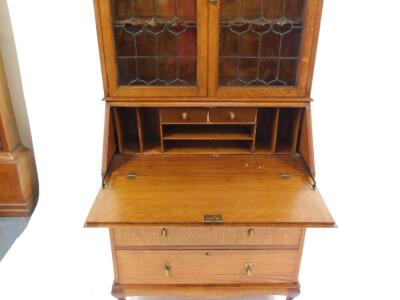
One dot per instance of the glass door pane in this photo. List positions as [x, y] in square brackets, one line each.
[260, 42]
[156, 42]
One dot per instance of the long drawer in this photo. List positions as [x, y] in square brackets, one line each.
[207, 266]
[207, 236]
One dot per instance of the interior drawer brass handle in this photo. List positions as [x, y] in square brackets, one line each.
[213, 2]
[232, 115]
[164, 232]
[248, 268]
[251, 232]
[184, 116]
[167, 269]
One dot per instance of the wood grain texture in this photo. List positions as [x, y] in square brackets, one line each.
[206, 266]
[19, 187]
[110, 145]
[270, 194]
[176, 115]
[9, 135]
[206, 236]
[306, 145]
[181, 189]
[232, 115]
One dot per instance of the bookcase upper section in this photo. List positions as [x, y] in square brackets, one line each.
[208, 48]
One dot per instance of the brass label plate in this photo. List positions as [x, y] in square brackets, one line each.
[213, 219]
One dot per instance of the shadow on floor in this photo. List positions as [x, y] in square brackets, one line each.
[10, 230]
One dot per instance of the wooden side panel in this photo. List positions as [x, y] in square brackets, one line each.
[207, 266]
[306, 147]
[109, 142]
[9, 135]
[101, 47]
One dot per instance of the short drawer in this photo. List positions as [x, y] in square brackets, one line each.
[233, 115]
[207, 266]
[207, 236]
[184, 115]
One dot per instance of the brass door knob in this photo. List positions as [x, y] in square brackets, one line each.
[248, 267]
[167, 269]
[232, 115]
[213, 2]
[184, 116]
[164, 232]
[251, 232]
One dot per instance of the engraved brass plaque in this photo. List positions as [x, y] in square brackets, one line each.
[213, 219]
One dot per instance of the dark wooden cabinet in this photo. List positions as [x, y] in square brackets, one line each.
[208, 166]
[19, 187]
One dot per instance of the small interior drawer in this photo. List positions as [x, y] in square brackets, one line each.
[233, 115]
[206, 236]
[183, 115]
[207, 266]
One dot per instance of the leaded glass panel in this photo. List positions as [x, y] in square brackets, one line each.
[156, 42]
[260, 42]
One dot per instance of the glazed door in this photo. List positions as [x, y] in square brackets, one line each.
[154, 48]
[261, 48]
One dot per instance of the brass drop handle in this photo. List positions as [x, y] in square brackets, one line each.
[232, 115]
[248, 268]
[184, 116]
[164, 232]
[251, 232]
[167, 269]
[214, 2]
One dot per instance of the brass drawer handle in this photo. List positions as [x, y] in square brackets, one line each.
[251, 233]
[184, 116]
[164, 232]
[214, 2]
[232, 115]
[167, 269]
[248, 268]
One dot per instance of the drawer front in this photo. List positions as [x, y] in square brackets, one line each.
[207, 266]
[207, 236]
[183, 115]
[233, 115]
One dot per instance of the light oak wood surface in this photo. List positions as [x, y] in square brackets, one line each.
[206, 236]
[174, 154]
[207, 266]
[181, 189]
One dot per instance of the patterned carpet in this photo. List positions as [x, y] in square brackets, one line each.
[10, 230]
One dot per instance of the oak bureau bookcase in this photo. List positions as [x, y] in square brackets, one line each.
[208, 168]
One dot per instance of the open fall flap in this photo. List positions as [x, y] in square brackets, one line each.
[264, 190]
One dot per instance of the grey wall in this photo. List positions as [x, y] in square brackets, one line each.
[9, 53]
